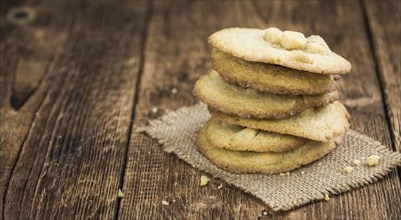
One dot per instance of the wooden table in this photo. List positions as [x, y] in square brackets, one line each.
[78, 77]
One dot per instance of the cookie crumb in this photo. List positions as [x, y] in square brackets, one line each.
[288, 173]
[348, 169]
[326, 197]
[357, 163]
[373, 160]
[120, 194]
[219, 187]
[265, 212]
[302, 172]
[319, 164]
[154, 110]
[164, 202]
[174, 90]
[204, 180]
[175, 183]
[282, 174]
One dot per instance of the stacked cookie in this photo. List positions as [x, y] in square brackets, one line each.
[273, 100]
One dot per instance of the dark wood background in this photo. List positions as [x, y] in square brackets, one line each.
[77, 78]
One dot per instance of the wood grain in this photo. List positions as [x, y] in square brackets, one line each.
[69, 79]
[176, 53]
[385, 29]
[79, 77]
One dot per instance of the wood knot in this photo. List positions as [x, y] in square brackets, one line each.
[21, 15]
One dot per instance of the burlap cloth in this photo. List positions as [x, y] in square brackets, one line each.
[177, 132]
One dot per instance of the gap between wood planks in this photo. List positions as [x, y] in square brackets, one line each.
[31, 172]
[26, 136]
[18, 156]
[344, 202]
[377, 70]
[372, 47]
[149, 15]
[149, 12]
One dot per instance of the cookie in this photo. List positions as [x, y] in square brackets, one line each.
[289, 49]
[270, 78]
[237, 138]
[267, 162]
[319, 124]
[212, 90]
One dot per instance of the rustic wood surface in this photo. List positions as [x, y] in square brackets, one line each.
[77, 78]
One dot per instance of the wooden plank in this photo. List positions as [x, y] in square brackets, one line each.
[385, 29]
[69, 77]
[176, 53]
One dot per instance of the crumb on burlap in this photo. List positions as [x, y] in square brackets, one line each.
[373, 160]
[348, 169]
[357, 163]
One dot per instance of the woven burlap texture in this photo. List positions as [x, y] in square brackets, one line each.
[177, 131]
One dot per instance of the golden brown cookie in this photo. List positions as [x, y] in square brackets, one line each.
[319, 124]
[284, 48]
[212, 90]
[237, 138]
[267, 162]
[270, 78]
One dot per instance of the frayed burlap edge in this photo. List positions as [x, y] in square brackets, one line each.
[177, 130]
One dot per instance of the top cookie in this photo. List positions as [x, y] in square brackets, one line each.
[288, 49]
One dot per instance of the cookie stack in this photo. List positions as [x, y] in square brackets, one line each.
[273, 100]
